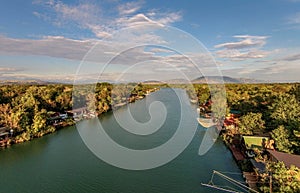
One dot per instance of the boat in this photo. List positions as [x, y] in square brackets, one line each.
[206, 122]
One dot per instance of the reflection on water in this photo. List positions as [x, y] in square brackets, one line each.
[60, 162]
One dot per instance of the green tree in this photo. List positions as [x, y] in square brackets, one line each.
[281, 136]
[283, 179]
[39, 122]
[5, 115]
[285, 109]
[296, 91]
[251, 123]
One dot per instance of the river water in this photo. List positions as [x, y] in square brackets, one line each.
[61, 162]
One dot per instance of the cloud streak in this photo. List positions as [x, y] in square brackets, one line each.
[246, 47]
[294, 19]
[129, 7]
[245, 41]
[53, 46]
[239, 55]
[293, 57]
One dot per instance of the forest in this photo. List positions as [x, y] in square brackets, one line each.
[27, 110]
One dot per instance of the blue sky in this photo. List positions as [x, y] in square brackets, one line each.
[48, 39]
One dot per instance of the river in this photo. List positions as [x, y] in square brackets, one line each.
[60, 162]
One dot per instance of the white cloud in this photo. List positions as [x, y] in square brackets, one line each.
[54, 46]
[245, 41]
[94, 18]
[82, 14]
[169, 18]
[273, 69]
[161, 50]
[247, 47]
[239, 55]
[293, 57]
[6, 71]
[294, 19]
[129, 7]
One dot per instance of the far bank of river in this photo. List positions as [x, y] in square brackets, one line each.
[60, 162]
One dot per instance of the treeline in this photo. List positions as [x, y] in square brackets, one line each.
[267, 110]
[26, 109]
[272, 109]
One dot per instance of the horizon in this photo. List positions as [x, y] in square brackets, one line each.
[73, 41]
[171, 81]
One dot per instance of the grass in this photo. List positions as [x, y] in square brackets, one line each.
[254, 142]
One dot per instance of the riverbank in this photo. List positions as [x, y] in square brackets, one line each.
[53, 121]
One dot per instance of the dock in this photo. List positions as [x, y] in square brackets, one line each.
[237, 154]
[251, 180]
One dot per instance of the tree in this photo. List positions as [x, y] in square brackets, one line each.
[285, 109]
[296, 91]
[5, 115]
[283, 179]
[219, 105]
[251, 123]
[39, 122]
[281, 136]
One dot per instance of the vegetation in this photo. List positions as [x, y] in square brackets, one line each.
[266, 109]
[251, 123]
[27, 109]
[283, 179]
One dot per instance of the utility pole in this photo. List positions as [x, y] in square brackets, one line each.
[270, 182]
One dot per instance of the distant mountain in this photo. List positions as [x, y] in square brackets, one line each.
[177, 81]
[153, 82]
[225, 79]
[215, 79]
[25, 82]
[207, 79]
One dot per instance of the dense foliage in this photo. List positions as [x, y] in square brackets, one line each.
[268, 109]
[26, 109]
[282, 179]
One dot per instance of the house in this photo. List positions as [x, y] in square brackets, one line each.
[77, 113]
[258, 142]
[3, 133]
[287, 158]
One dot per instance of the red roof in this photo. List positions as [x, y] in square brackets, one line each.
[286, 158]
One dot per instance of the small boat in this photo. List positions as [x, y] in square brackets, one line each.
[250, 153]
[206, 122]
[194, 101]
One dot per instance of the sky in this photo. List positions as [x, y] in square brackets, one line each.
[114, 40]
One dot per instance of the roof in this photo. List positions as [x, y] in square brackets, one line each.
[233, 111]
[5, 133]
[287, 158]
[79, 110]
[254, 141]
[3, 129]
[260, 166]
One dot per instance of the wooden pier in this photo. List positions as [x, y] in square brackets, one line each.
[237, 154]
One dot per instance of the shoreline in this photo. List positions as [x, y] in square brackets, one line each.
[21, 138]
